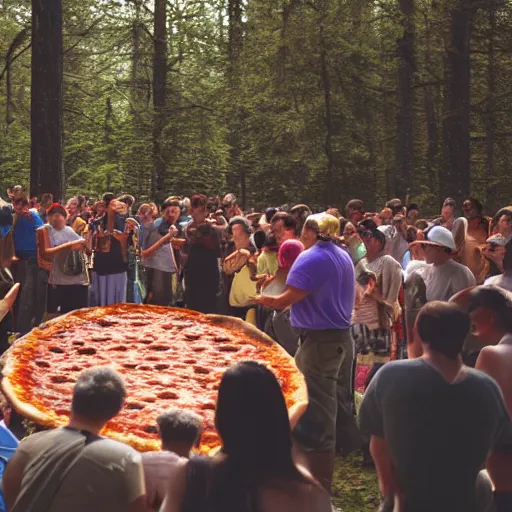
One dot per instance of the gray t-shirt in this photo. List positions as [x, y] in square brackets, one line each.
[444, 281]
[439, 434]
[163, 258]
[57, 276]
[107, 476]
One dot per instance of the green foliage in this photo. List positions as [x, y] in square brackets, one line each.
[260, 113]
[354, 489]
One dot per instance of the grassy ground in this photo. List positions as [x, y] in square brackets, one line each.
[354, 489]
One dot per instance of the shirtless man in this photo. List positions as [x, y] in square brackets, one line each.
[504, 280]
[491, 315]
[477, 233]
[447, 214]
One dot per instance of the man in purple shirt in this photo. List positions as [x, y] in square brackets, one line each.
[320, 291]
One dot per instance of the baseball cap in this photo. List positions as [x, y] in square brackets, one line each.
[439, 236]
[377, 233]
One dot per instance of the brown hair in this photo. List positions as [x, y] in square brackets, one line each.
[21, 199]
[443, 326]
[198, 201]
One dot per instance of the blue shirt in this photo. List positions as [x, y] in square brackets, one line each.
[8, 445]
[326, 272]
[406, 259]
[25, 234]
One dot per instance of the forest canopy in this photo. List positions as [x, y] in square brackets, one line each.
[297, 101]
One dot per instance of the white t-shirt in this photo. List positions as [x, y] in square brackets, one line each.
[503, 281]
[157, 466]
[444, 281]
[57, 276]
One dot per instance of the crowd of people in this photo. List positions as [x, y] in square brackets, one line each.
[386, 313]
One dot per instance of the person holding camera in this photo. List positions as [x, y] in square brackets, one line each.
[158, 254]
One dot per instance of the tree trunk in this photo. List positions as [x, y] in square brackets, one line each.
[46, 174]
[109, 143]
[455, 178]
[490, 118]
[237, 177]
[9, 57]
[430, 114]
[326, 83]
[159, 99]
[405, 100]
[137, 175]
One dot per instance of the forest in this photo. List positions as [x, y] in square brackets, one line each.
[296, 101]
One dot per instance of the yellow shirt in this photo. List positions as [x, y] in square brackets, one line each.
[268, 263]
[243, 289]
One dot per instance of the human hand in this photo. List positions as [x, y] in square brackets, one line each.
[371, 288]
[173, 231]
[263, 301]
[265, 280]
[79, 244]
[11, 295]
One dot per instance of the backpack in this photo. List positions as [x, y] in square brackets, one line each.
[74, 264]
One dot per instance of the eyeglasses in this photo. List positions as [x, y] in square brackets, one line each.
[367, 234]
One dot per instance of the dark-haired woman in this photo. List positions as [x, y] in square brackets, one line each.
[254, 471]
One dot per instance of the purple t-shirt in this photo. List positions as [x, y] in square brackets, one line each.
[326, 272]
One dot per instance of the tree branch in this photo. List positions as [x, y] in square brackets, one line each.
[16, 42]
[80, 113]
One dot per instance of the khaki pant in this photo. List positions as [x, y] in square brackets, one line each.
[320, 356]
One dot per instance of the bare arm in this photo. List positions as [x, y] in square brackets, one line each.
[11, 480]
[8, 301]
[388, 482]
[414, 348]
[48, 252]
[290, 296]
[68, 246]
[147, 253]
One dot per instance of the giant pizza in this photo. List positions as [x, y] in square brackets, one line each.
[168, 357]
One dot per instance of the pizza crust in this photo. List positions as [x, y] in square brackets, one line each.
[32, 413]
[301, 395]
[26, 410]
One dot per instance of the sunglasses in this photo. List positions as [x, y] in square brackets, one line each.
[367, 234]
